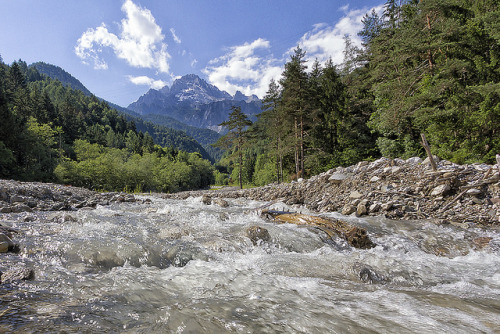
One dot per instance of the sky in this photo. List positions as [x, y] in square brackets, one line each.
[119, 49]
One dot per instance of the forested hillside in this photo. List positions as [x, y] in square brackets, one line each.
[51, 132]
[163, 134]
[428, 66]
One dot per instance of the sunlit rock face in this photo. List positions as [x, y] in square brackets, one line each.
[195, 102]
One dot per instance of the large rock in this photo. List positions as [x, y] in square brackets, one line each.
[355, 236]
[6, 244]
[441, 190]
[337, 178]
[348, 209]
[14, 275]
[355, 194]
[257, 233]
[221, 202]
[207, 200]
[361, 209]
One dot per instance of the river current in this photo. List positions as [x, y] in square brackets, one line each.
[173, 266]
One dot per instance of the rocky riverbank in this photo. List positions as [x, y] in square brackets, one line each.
[26, 197]
[463, 195]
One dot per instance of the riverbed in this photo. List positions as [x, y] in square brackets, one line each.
[179, 266]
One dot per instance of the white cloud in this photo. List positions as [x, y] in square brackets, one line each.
[248, 68]
[326, 41]
[140, 42]
[144, 80]
[175, 37]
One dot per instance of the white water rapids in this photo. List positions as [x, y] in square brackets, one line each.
[184, 267]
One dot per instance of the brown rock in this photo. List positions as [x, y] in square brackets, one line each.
[256, 233]
[221, 202]
[14, 275]
[361, 209]
[348, 209]
[207, 200]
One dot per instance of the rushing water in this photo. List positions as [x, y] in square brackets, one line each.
[183, 267]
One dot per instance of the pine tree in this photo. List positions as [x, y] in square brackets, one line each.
[273, 120]
[236, 136]
[295, 98]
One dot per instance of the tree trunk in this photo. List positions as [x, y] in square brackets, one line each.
[240, 155]
[429, 153]
[297, 162]
[429, 51]
[278, 160]
[301, 146]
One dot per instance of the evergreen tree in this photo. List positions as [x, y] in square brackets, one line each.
[295, 102]
[273, 119]
[236, 136]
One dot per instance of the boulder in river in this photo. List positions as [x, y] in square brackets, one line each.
[20, 274]
[355, 236]
[256, 233]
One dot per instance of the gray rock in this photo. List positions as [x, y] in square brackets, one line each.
[5, 209]
[386, 206]
[477, 200]
[16, 199]
[440, 190]
[473, 192]
[374, 207]
[3, 194]
[355, 194]
[337, 178]
[427, 161]
[414, 160]
[4, 246]
[386, 188]
[395, 169]
[21, 208]
[375, 179]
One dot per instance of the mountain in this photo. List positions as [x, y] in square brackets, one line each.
[57, 73]
[193, 101]
[170, 136]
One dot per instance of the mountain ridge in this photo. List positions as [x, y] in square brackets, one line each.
[193, 101]
[175, 136]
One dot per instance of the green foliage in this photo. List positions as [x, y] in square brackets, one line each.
[236, 138]
[435, 70]
[112, 169]
[221, 179]
[7, 161]
[265, 170]
[50, 132]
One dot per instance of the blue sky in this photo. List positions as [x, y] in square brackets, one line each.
[120, 48]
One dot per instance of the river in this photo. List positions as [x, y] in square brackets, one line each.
[172, 266]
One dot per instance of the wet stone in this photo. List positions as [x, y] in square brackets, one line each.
[258, 234]
[21, 274]
[221, 202]
[207, 200]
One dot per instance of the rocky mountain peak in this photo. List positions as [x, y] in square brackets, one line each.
[239, 96]
[194, 89]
